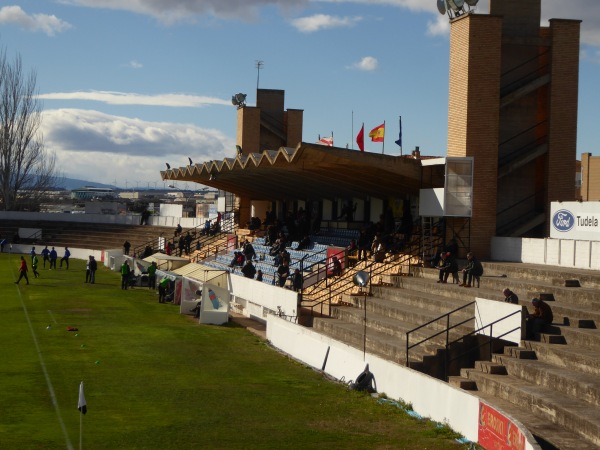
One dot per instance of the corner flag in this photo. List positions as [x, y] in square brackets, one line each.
[81, 406]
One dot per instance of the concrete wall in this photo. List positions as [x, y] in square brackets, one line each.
[258, 299]
[554, 252]
[429, 396]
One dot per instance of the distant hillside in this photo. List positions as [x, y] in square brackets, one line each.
[72, 183]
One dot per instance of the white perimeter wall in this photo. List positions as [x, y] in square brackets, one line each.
[429, 396]
[554, 252]
[258, 298]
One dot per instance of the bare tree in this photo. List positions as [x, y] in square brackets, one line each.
[27, 171]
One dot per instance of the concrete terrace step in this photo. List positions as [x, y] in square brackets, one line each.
[426, 300]
[577, 337]
[557, 275]
[573, 414]
[580, 386]
[416, 312]
[582, 360]
[396, 327]
[544, 431]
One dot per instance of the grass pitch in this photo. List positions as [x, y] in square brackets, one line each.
[158, 380]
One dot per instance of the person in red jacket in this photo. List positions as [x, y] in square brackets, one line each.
[23, 271]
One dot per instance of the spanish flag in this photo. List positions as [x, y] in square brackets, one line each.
[378, 133]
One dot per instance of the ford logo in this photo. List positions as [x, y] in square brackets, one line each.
[563, 220]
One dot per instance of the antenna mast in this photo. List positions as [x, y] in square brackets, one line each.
[259, 65]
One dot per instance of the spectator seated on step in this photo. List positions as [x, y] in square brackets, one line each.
[378, 249]
[304, 243]
[472, 272]
[542, 316]
[447, 266]
[510, 296]
[336, 267]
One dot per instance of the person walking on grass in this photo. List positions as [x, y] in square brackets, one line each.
[34, 266]
[93, 267]
[125, 271]
[65, 258]
[23, 271]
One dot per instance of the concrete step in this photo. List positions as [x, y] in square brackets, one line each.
[548, 434]
[462, 383]
[586, 277]
[577, 337]
[581, 386]
[565, 411]
[577, 359]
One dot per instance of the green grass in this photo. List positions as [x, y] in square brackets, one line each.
[158, 380]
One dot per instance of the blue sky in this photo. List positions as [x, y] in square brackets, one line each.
[128, 85]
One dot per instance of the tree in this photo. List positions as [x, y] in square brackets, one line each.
[27, 171]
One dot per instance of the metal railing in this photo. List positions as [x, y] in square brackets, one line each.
[491, 341]
[445, 331]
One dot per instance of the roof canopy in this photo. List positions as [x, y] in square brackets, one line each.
[309, 171]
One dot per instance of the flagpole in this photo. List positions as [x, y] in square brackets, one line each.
[80, 431]
[383, 142]
[352, 130]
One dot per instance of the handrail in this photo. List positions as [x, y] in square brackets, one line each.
[372, 268]
[490, 342]
[448, 328]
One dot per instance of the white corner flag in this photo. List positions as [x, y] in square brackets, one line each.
[81, 406]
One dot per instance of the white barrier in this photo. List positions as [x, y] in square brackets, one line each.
[429, 396]
[259, 299]
[554, 252]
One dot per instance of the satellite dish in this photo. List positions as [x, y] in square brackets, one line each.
[441, 6]
[361, 278]
[471, 2]
[456, 5]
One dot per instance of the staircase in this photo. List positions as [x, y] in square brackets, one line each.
[551, 384]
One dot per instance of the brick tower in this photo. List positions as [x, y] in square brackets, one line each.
[513, 107]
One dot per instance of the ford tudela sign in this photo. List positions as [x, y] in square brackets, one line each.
[575, 220]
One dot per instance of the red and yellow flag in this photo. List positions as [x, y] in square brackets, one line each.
[378, 133]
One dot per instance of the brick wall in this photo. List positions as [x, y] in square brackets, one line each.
[473, 114]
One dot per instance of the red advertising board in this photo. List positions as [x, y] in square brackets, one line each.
[339, 253]
[496, 432]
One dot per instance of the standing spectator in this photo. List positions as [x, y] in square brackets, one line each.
[87, 269]
[181, 245]
[46, 255]
[126, 247]
[22, 271]
[178, 230]
[152, 275]
[162, 289]
[542, 316]
[248, 250]
[53, 258]
[34, 265]
[510, 296]
[188, 243]
[297, 280]
[93, 268]
[65, 258]
[125, 271]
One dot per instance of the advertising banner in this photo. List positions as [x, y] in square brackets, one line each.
[575, 220]
[497, 432]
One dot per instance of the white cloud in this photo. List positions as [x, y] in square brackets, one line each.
[125, 98]
[172, 11]
[135, 64]
[48, 24]
[367, 64]
[319, 22]
[101, 147]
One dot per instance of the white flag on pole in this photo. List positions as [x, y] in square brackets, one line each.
[81, 406]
